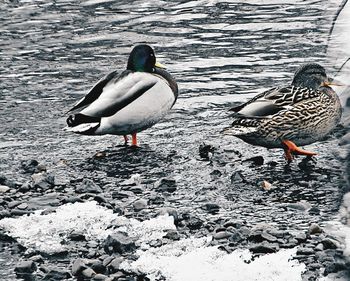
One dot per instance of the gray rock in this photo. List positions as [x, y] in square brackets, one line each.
[56, 275]
[237, 177]
[165, 185]
[98, 266]
[25, 267]
[78, 266]
[305, 251]
[29, 166]
[13, 204]
[88, 186]
[4, 188]
[172, 235]
[43, 180]
[22, 206]
[264, 248]
[99, 277]
[212, 208]
[314, 229]
[114, 265]
[140, 205]
[301, 237]
[107, 260]
[221, 235]
[119, 242]
[88, 273]
[329, 243]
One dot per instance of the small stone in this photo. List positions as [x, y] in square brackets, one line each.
[305, 251]
[140, 205]
[165, 185]
[88, 273]
[99, 277]
[221, 235]
[107, 260]
[264, 248]
[13, 204]
[301, 237]
[319, 247]
[329, 243]
[98, 266]
[4, 188]
[56, 275]
[206, 151]
[114, 265]
[88, 186]
[134, 180]
[78, 267]
[266, 185]
[118, 242]
[25, 267]
[212, 208]
[237, 177]
[268, 237]
[29, 166]
[37, 258]
[194, 223]
[314, 229]
[43, 180]
[172, 235]
[76, 236]
[257, 160]
[22, 206]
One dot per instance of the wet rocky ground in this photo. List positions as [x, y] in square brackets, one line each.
[240, 198]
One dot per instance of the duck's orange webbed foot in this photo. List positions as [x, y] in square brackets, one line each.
[291, 148]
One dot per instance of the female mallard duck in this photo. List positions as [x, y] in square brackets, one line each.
[126, 103]
[299, 114]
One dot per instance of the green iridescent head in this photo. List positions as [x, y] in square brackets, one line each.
[142, 59]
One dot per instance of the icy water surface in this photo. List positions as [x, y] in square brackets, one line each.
[220, 52]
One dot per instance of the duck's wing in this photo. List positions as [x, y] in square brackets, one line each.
[275, 100]
[94, 92]
[119, 93]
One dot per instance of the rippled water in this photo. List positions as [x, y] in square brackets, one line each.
[220, 52]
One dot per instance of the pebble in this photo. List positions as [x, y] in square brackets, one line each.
[43, 180]
[206, 151]
[212, 208]
[165, 185]
[88, 273]
[264, 248]
[305, 251]
[256, 160]
[172, 235]
[171, 212]
[25, 267]
[98, 266]
[301, 237]
[114, 265]
[76, 236]
[119, 242]
[22, 206]
[78, 266]
[329, 243]
[140, 205]
[237, 177]
[56, 274]
[88, 186]
[29, 166]
[99, 277]
[314, 229]
[221, 235]
[4, 188]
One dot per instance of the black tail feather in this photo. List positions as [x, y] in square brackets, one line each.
[77, 119]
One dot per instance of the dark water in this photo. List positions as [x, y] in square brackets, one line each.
[220, 52]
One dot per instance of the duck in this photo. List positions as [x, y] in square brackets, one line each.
[126, 103]
[288, 117]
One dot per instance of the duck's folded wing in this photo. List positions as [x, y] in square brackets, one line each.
[118, 94]
[275, 100]
[94, 92]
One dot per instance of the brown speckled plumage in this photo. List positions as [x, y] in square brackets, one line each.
[300, 114]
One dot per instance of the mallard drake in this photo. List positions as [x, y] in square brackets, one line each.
[126, 103]
[287, 117]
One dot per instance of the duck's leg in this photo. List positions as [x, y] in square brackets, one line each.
[126, 139]
[291, 148]
[134, 139]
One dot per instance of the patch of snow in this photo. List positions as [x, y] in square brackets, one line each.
[191, 260]
[46, 232]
